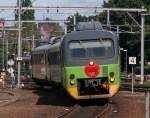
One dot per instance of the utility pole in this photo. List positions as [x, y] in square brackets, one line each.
[74, 22]
[142, 48]
[65, 30]
[108, 18]
[33, 44]
[118, 32]
[6, 53]
[19, 43]
[3, 32]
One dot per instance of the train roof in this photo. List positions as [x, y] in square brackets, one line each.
[90, 34]
[50, 47]
[41, 47]
[93, 25]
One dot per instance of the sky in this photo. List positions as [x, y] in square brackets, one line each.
[9, 15]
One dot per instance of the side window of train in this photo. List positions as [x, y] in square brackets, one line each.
[55, 58]
[49, 58]
[42, 58]
[46, 57]
[39, 58]
[35, 58]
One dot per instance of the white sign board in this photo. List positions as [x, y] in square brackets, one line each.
[10, 62]
[132, 60]
[10, 70]
[19, 58]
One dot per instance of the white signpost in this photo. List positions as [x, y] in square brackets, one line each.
[10, 62]
[11, 70]
[132, 61]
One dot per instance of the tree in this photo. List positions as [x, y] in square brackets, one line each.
[129, 41]
[26, 14]
[27, 28]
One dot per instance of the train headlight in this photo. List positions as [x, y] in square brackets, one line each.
[112, 78]
[72, 82]
[72, 76]
[91, 63]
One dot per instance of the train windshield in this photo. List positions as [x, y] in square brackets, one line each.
[99, 48]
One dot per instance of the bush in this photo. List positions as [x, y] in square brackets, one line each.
[137, 70]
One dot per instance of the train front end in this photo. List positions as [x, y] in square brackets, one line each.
[91, 66]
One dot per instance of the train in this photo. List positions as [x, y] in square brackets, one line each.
[85, 62]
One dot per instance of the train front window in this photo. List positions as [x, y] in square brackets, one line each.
[102, 48]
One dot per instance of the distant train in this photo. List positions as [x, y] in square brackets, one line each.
[85, 62]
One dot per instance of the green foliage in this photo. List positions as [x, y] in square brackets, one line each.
[57, 30]
[27, 28]
[137, 70]
[131, 42]
[29, 14]
[26, 14]
[125, 3]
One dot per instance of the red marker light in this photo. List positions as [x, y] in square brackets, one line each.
[92, 70]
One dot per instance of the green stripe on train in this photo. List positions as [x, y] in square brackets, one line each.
[79, 72]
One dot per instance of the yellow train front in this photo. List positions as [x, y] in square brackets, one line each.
[85, 63]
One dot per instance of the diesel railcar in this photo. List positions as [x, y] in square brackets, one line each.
[84, 62]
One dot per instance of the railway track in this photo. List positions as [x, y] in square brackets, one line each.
[66, 112]
[8, 97]
[103, 113]
[70, 108]
[85, 110]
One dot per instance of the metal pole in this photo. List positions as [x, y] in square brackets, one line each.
[126, 61]
[74, 22]
[142, 48]
[118, 32]
[3, 49]
[65, 28]
[33, 44]
[108, 17]
[147, 105]
[73, 8]
[132, 80]
[84, 7]
[19, 43]
[33, 37]
[6, 53]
